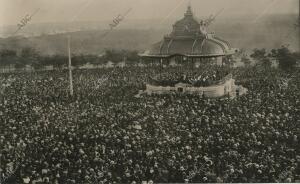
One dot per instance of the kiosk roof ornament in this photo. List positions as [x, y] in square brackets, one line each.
[187, 26]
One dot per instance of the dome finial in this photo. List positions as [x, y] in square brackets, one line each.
[189, 10]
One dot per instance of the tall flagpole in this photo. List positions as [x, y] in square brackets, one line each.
[70, 68]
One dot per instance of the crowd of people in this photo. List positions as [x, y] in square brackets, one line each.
[105, 134]
[207, 76]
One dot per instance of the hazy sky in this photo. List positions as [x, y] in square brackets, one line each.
[12, 11]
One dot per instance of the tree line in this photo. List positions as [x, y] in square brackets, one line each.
[29, 56]
[285, 58]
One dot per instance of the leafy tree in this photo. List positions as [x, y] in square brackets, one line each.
[246, 60]
[132, 57]
[58, 61]
[8, 57]
[116, 56]
[96, 59]
[241, 52]
[78, 60]
[286, 59]
[258, 54]
[261, 56]
[6, 53]
[29, 56]
[113, 56]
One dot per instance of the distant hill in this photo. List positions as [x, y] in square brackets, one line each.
[87, 37]
[85, 42]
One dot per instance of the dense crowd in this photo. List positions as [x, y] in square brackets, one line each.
[207, 76]
[105, 134]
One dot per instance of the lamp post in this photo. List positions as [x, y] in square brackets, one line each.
[70, 67]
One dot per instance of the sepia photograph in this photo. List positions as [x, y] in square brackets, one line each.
[149, 91]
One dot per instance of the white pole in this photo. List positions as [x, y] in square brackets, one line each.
[298, 27]
[70, 68]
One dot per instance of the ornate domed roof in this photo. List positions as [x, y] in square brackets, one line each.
[205, 46]
[189, 39]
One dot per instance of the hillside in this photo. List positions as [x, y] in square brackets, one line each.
[85, 42]
[271, 32]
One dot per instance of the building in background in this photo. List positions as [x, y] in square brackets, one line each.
[190, 42]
